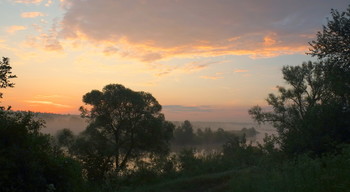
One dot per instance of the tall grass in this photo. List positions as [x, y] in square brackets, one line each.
[327, 174]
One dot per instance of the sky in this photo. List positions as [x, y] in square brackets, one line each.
[203, 60]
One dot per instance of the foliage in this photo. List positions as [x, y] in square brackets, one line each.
[65, 138]
[124, 126]
[184, 134]
[314, 113]
[307, 116]
[95, 152]
[333, 42]
[329, 173]
[5, 75]
[29, 161]
[332, 47]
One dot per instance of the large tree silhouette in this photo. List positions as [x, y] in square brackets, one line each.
[124, 125]
[332, 47]
[313, 113]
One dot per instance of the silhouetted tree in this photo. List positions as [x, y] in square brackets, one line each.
[313, 114]
[332, 48]
[5, 75]
[124, 125]
[28, 160]
[184, 134]
[65, 138]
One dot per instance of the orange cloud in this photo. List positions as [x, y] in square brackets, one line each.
[240, 71]
[211, 77]
[14, 28]
[32, 14]
[270, 40]
[49, 103]
[28, 1]
[49, 96]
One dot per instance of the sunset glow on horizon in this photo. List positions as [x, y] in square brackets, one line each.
[203, 60]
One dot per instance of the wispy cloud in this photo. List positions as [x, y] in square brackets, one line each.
[190, 67]
[14, 28]
[199, 65]
[49, 2]
[47, 40]
[110, 50]
[48, 96]
[211, 77]
[32, 14]
[28, 1]
[49, 103]
[182, 108]
[240, 71]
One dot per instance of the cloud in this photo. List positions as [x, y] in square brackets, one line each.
[28, 1]
[32, 14]
[48, 96]
[211, 77]
[49, 103]
[14, 28]
[151, 30]
[240, 71]
[49, 2]
[110, 50]
[182, 108]
[199, 65]
[190, 67]
[47, 40]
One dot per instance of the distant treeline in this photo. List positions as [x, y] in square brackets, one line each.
[185, 135]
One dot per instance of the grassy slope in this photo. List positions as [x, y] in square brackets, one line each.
[217, 182]
[328, 174]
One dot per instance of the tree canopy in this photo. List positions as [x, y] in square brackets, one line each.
[313, 113]
[128, 124]
[332, 47]
[5, 75]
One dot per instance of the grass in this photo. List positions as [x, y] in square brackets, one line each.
[326, 174]
[217, 182]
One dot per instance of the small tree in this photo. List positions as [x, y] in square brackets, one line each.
[184, 134]
[28, 160]
[5, 75]
[129, 125]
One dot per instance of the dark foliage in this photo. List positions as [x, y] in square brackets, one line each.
[124, 126]
[313, 114]
[29, 161]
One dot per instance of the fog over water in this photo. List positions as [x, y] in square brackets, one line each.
[55, 122]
